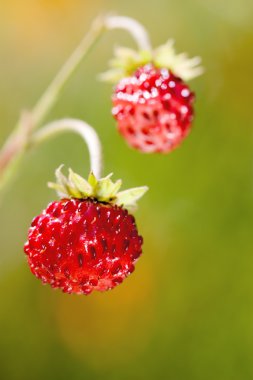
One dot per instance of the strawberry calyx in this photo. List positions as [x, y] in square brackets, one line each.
[101, 190]
[127, 61]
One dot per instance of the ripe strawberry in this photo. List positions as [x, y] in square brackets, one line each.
[153, 108]
[85, 244]
[152, 103]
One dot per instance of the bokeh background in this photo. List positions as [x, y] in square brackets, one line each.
[187, 310]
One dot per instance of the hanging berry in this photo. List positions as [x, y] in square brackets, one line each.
[152, 103]
[88, 240]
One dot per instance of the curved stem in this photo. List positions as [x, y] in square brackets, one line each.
[98, 27]
[80, 127]
[136, 29]
[50, 95]
[15, 146]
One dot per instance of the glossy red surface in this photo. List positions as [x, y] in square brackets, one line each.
[153, 109]
[82, 245]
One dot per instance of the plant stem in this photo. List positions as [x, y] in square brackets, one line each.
[50, 96]
[18, 142]
[99, 26]
[78, 126]
[15, 146]
[136, 29]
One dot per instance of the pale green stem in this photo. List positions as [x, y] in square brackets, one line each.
[17, 143]
[50, 96]
[77, 126]
[136, 29]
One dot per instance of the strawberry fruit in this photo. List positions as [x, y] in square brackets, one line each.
[153, 109]
[152, 103]
[87, 241]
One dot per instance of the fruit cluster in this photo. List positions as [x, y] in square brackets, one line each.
[88, 240]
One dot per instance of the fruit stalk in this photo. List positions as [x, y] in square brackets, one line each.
[136, 29]
[18, 142]
[80, 127]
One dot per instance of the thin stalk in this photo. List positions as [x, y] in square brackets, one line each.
[136, 29]
[50, 96]
[16, 145]
[80, 127]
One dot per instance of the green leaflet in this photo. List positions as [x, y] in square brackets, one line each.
[128, 198]
[186, 68]
[126, 61]
[92, 180]
[80, 184]
[103, 189]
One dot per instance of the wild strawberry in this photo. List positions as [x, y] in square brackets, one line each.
[153, 109]
[88, 242]
[152, 103]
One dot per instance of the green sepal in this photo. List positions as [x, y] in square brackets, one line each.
[186, 68]
[61, 191]
[80, 184]
[106, 189]
[92, 180]
[129, 197]
[102, 190]
[126, 61]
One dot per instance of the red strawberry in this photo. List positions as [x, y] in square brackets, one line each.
[81, 245]
[152, 103]
[153, 108]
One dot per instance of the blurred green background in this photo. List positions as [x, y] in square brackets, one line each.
[187, 310]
